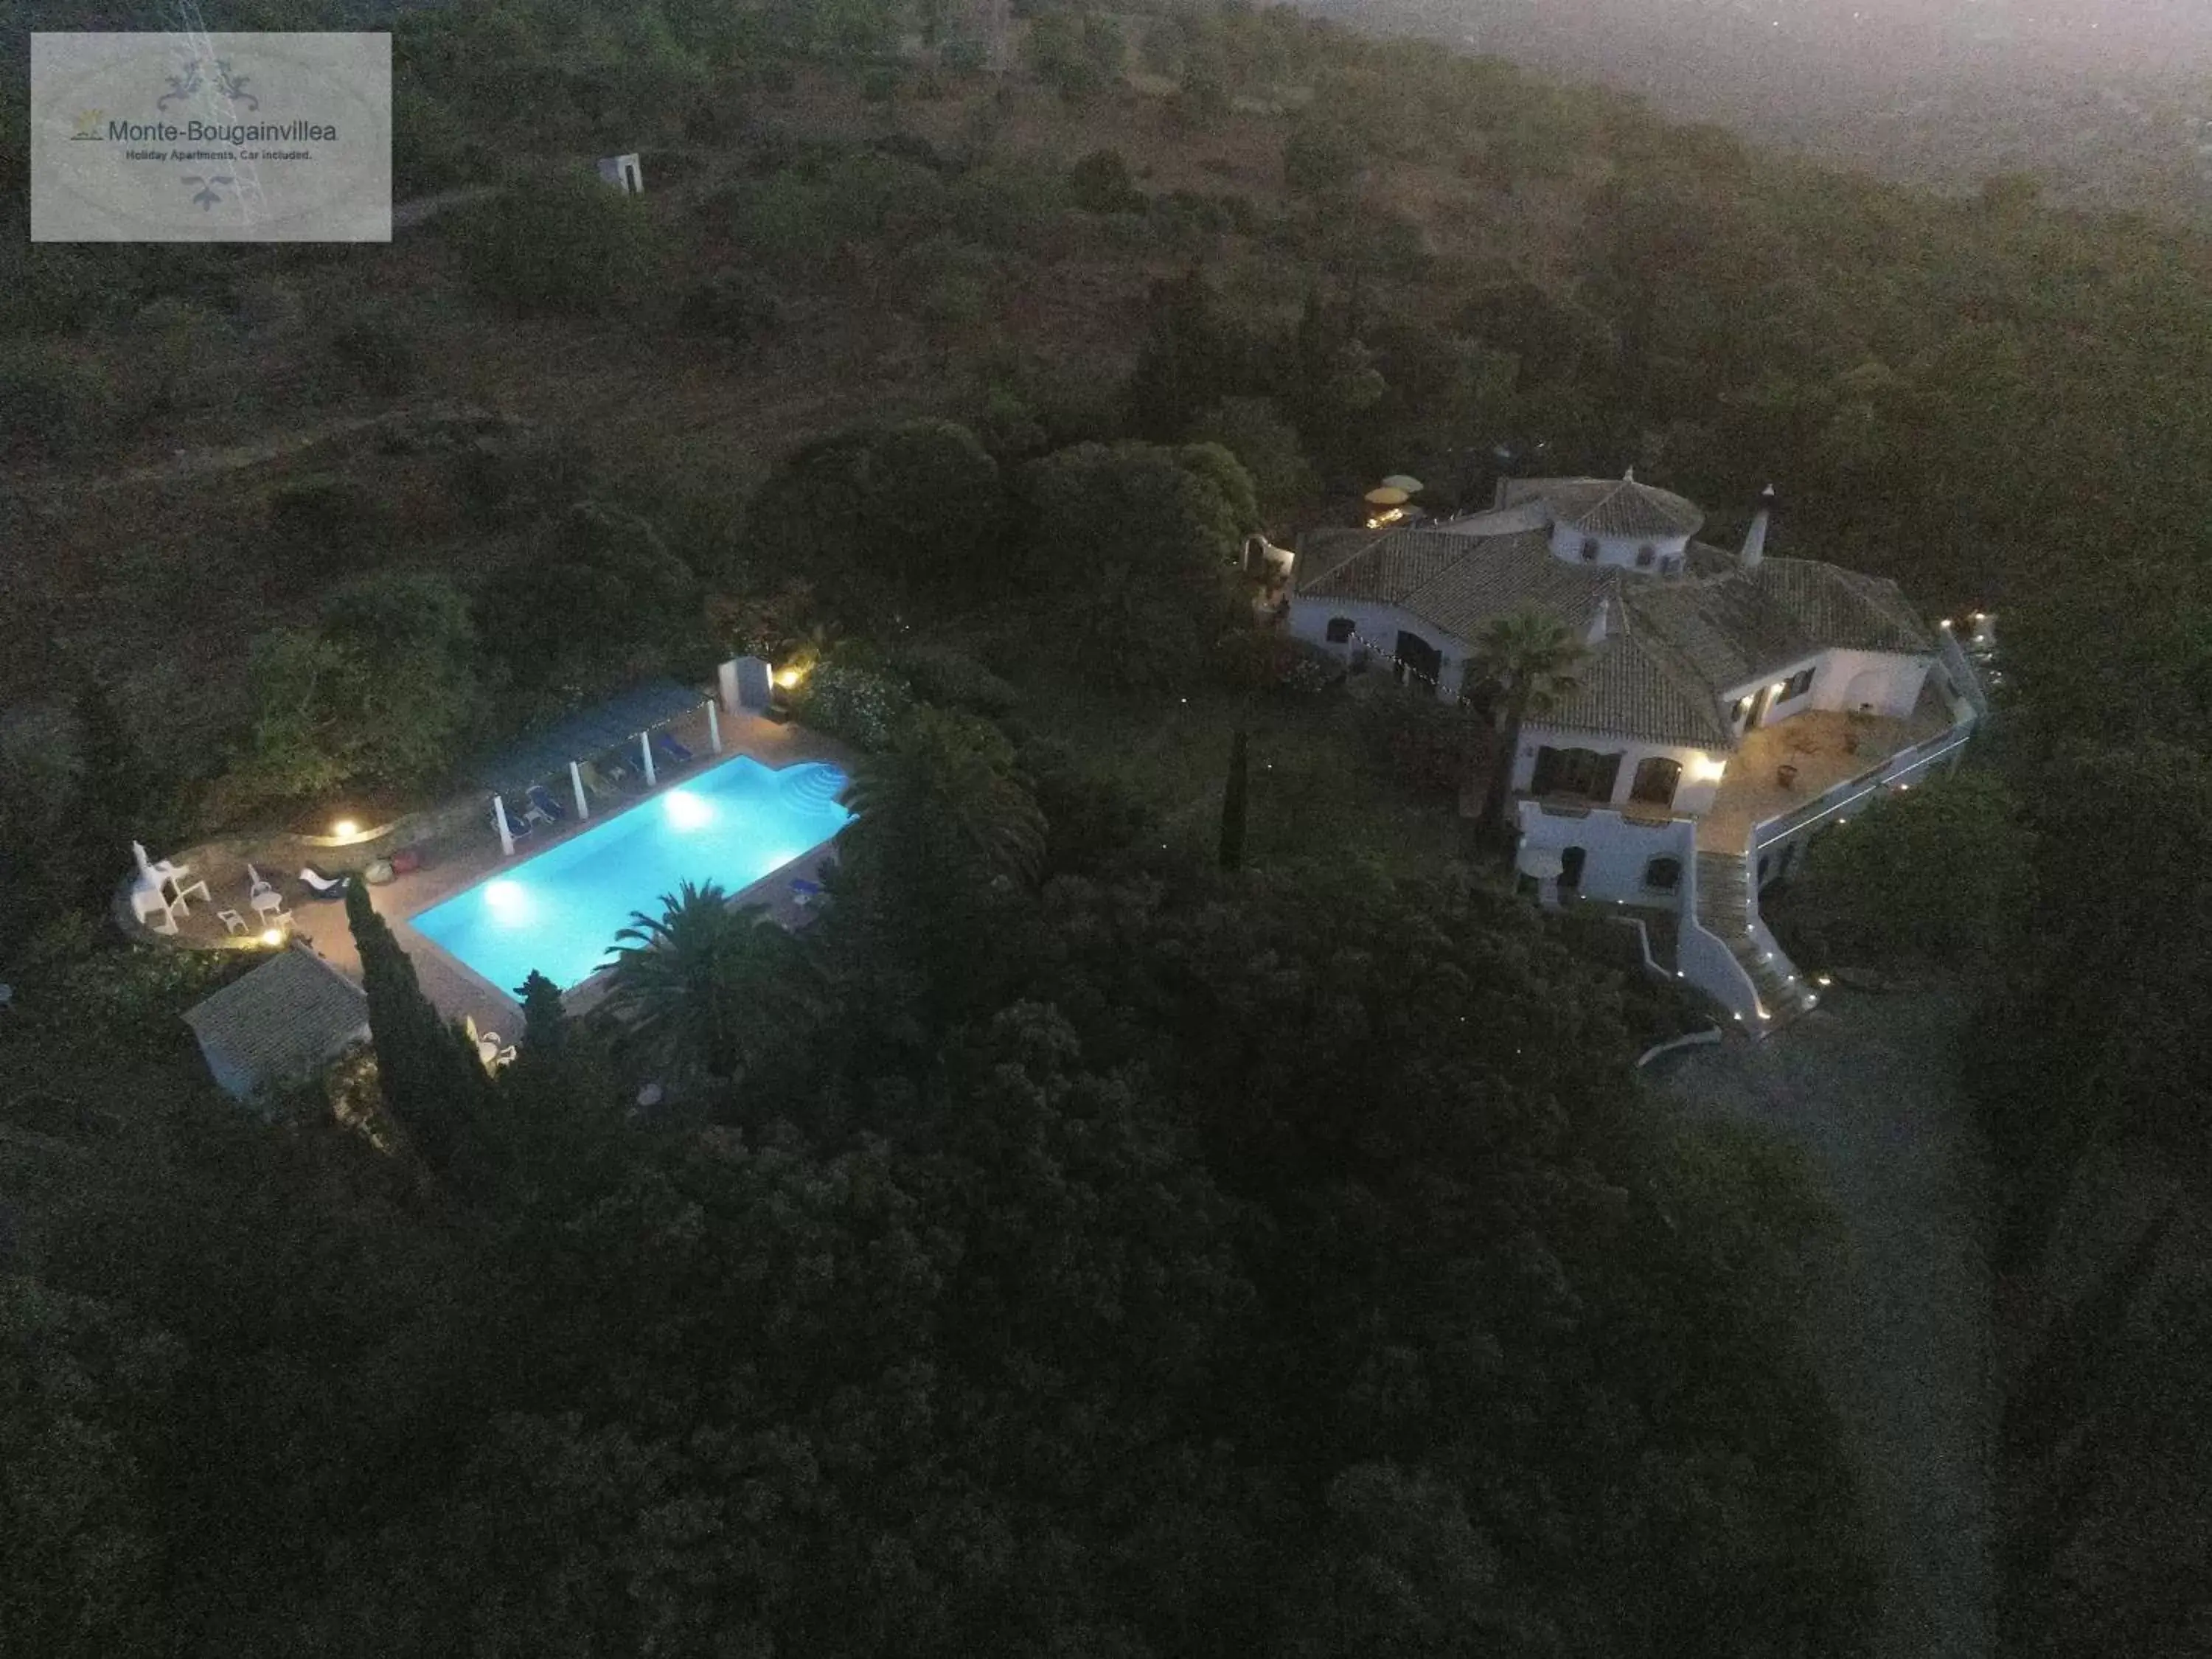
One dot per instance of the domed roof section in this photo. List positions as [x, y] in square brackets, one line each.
[1621, 507]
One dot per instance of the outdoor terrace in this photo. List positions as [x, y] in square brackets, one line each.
[1826, 748]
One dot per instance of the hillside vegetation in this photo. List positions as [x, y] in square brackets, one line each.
[1091, 1250]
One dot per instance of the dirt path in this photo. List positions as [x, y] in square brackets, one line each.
[1902, 1315]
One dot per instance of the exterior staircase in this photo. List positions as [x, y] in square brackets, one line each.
[1726, 910]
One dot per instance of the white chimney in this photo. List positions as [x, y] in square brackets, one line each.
[1754, 540]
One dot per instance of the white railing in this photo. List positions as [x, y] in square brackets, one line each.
[1960, 668]
[1705, 959]
[1846, 797]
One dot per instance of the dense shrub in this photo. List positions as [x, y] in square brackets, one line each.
[1933, 875]
[1100, 183]
[567, 243]
[507, 478]
[319, 516]
[373, 348]
[1425, 743]
[1011, 204]
[49, 402]
[860, 705]
[954, 679]
[735, 305]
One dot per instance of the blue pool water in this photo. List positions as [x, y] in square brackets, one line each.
[558, 913]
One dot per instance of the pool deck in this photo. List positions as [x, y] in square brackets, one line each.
[460, 862]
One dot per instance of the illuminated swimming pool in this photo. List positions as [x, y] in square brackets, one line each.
[558, 913]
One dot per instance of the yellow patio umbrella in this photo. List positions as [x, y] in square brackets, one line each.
[1386, 496]
[1400, 481]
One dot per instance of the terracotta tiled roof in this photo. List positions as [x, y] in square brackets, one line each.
[282, 1020]
[1675, 644]
[1611, 506]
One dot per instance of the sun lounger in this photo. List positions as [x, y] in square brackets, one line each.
[185, 891]
[596, 782]
[320, 886]
[671, 751]
[550, 810]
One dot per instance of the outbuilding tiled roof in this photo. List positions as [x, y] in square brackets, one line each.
[1675, 644]
[282, 1020]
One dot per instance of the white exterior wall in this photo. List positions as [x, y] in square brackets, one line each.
[1616, 851]
[1567, 544]
[1377, 627]
[1694, 794]
[1888, 679]
[1842, 680]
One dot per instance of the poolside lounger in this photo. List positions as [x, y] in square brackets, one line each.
[321, 886]
[805, 892]
[596, 782]
[668, 750]
[550, 809]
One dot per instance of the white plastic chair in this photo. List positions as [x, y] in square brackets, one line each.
[149, 903]
[185, 891]
[232, 921]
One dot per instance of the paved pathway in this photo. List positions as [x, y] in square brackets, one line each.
[1902, 1315]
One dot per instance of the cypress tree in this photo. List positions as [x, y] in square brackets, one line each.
[1232, 805]
[432, 1080]
[545, 1021]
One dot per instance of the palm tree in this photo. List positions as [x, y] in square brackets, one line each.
[703, 986]
[1530, 664]
[944, 800]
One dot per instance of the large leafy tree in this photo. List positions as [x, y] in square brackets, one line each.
[883, 516]
[1527, 663]
[1937, 875]
[598, 602]
[1137, 542]
[381, 690]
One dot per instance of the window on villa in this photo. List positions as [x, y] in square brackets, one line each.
[1668, 566]
[1664, 875]
[1656, 780]
[1339, 630]
[1580, 772]
[1742, 708]
[1589, 547]
[1796, 686]
[1644, 554]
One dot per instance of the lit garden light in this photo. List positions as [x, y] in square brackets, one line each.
[272, 937]
[345, 830]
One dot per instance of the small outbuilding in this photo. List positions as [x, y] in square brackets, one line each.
[280, 1023]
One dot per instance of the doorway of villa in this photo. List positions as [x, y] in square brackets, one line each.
[1415, 652]
[1571, 872]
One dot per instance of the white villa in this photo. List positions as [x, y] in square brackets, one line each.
[1731, 706]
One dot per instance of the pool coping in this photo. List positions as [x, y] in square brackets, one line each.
[457, 991]
[587, 992]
